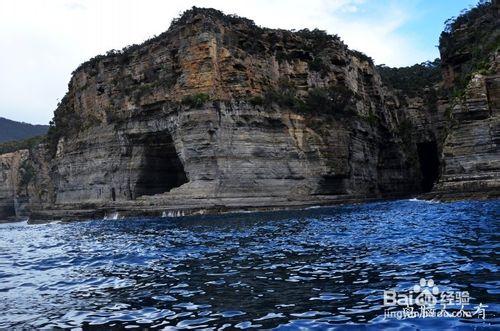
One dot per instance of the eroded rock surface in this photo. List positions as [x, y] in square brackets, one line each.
[471, 152]
[218, 114]
[10, 177]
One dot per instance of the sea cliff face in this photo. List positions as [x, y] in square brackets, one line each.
[218, 114]
[470, 59]
[471, 151]
[9, 177]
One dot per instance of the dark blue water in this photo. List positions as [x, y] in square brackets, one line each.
[317, 268]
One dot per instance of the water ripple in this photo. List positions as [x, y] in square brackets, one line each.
[312, 269]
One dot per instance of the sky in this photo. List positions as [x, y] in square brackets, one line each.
[42, 42]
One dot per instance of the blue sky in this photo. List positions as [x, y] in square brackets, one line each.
[428, 22]
[44, 41]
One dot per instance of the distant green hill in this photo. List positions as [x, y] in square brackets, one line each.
[12, 130]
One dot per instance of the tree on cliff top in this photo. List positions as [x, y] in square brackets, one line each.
[469, 40]
[414, 79]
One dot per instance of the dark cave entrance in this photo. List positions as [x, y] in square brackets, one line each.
[161, 168]
[429, 164]
[332, 185]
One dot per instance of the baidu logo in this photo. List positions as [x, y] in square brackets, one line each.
[427, 293]
[425, 299]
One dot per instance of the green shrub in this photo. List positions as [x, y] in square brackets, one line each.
[362, 56]
[286, 98]
[414, 79]
[15, 145]
[65, 122]
[319, 39]
[468, 42]
[195, 100]
[142, 90]
[320, 66]
[333, 99]
[27, 172]
[256, 100]
[431, 100]
[448, 113]
[371, 118]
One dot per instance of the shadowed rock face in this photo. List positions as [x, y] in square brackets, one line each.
[9, 177]
[218, 114]
[471, 151]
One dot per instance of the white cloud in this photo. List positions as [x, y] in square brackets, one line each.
[44, 41]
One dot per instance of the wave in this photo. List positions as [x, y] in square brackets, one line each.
[423, 200]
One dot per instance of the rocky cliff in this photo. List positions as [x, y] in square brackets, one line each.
[471, 151]
[218, 114]
[10, 164]
[470, 59]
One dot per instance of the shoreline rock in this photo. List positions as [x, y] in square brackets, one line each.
[218, 114]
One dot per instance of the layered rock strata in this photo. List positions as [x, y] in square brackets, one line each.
[218, 114]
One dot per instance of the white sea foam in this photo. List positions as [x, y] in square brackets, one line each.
[112, 216]
[422, 200]
[173, 213]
